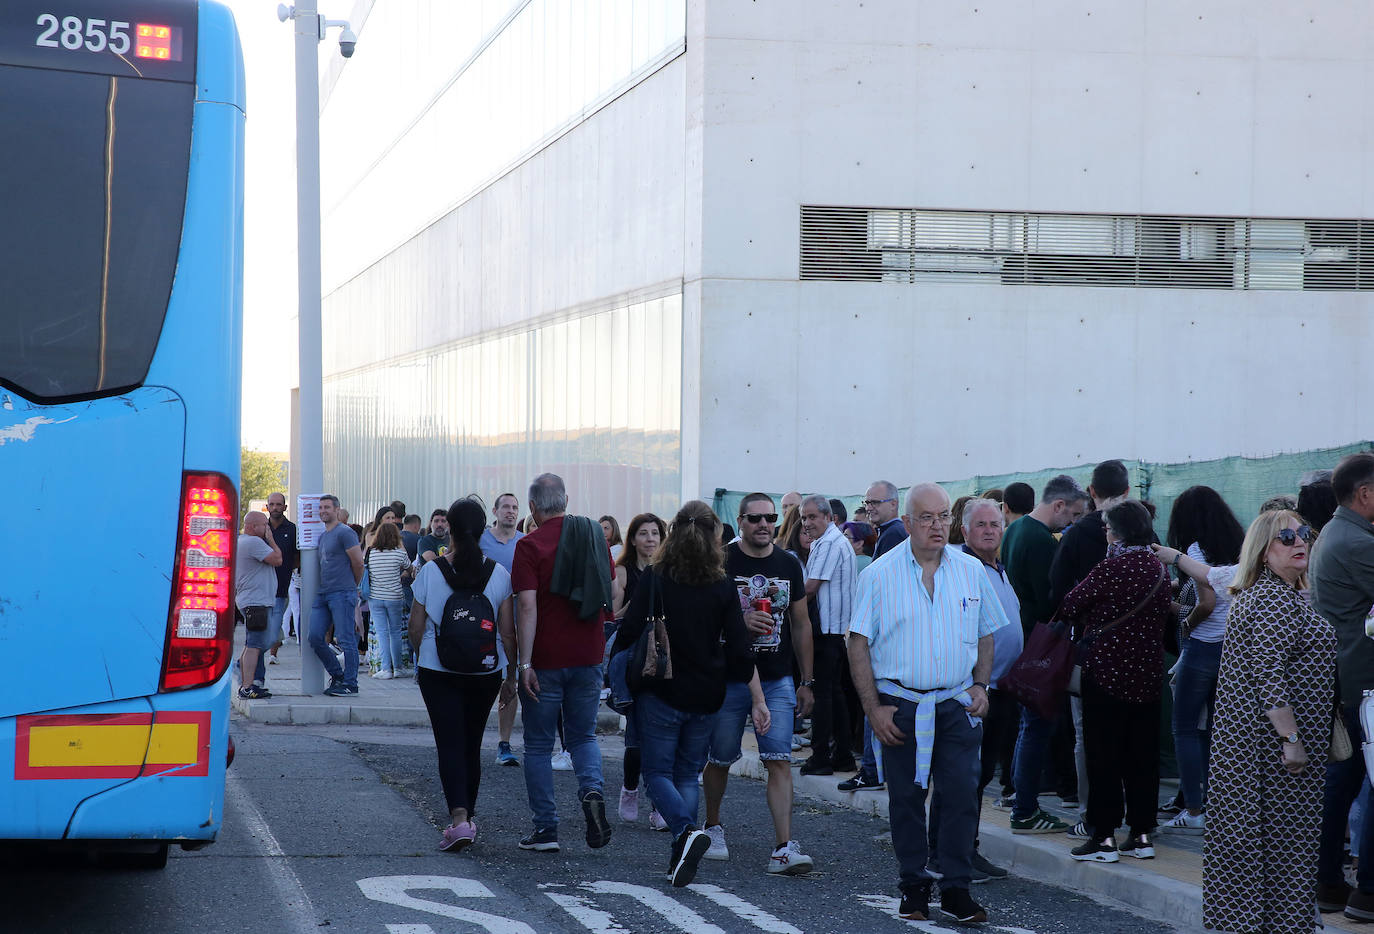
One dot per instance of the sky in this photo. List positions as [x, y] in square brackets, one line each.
[269, 265]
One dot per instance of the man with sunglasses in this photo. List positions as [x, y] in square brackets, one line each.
[881, 503]
[1342, 580]
[772, 594]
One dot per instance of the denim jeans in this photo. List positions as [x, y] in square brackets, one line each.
[1195, 691]
[1344, 782]
[673, 744]
[577, 693]
[274, 618]
[1032, 745]
[868, 768]
[388, 616]
[336, 608]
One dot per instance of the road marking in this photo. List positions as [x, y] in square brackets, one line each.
[751, 913]
[409, 929]
[394, 890]
[680, 916]
[587, 914]
[291, 893]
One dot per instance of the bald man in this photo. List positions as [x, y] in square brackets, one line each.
[255, 590]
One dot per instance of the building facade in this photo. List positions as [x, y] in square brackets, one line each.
[666, 246]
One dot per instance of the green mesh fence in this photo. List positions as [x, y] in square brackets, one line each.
[1245, 482]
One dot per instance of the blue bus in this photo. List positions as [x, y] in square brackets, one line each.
[121, 183]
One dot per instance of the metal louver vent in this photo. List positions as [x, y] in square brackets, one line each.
[1126, 251]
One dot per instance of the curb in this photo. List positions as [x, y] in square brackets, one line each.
[302, 710]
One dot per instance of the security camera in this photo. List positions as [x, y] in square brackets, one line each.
[347, 42]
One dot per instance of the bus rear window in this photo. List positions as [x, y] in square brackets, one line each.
[93, 188]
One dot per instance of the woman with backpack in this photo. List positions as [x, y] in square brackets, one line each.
[386, 562]
[691, 604]
[462, 605]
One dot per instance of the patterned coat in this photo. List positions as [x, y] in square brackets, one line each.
[1263, 824]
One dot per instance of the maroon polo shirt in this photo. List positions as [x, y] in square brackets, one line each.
[561, 638]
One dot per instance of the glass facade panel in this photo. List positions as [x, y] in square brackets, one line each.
[404, 142]
[595, 399]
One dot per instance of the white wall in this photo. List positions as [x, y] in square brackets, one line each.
[1162, 107]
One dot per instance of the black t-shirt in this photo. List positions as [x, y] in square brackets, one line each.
[777, 578]
[285, 537]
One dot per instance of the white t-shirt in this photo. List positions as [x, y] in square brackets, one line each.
[433, 591]
[1213, 628]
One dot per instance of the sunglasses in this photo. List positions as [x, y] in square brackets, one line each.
[757, 517]
[1290, 536]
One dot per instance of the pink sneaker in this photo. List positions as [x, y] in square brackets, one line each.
[458, 837]
[629, 805]
[656, 821]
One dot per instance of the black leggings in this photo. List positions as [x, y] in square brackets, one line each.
[458, 708]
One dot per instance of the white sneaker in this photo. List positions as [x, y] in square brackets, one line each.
[381, 674]
[718, 849]
[1184, 822]
[656, 821]
[629, 805]
[272, 660]
[789, 860]
[562, 762]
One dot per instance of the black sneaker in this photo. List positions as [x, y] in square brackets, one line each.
[253, 692]
[1332, 897]
[983, 870]
[959, 905]
[336, 688]
[598, 828]
[1360, 906]
[1094, 851]
[812, 767]
[845, 765]
[1139, 846]
[544, 841]
[860, 782]
[688, 849]
[915, 904]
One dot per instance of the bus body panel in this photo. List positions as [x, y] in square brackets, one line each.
[88, 747]
[87, 613]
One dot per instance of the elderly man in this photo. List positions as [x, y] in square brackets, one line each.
[254, 587]
[830, 579]
[881, 503]
[921, 652]
[983, 529]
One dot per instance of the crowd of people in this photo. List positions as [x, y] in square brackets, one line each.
[891, 637]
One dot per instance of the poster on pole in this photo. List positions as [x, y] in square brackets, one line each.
[309, 528]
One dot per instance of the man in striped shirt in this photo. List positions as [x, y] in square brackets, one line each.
[920, 652]
[830, 579]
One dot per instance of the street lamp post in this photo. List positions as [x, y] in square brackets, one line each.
[310, 29]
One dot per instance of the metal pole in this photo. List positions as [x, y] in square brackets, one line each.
[307, 28]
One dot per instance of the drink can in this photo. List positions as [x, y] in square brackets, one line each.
[763, 605]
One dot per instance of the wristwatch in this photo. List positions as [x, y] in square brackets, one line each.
[806, 683]
[521, 667]
[1291, 739]
[979, 684]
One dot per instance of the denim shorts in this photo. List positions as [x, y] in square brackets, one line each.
[263, 638]
[776, 744]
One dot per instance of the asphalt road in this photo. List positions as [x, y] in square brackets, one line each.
[334, 829]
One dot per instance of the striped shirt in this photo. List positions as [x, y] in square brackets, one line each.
[918, 641]
[832, 561]
[384, 573]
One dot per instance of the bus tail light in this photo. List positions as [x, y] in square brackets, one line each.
[200, 625]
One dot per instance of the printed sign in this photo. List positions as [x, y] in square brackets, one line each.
[309, 528]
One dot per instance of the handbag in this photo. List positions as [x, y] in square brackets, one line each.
[1084, 645]
[365, 585]
[1040, 674]
[652, 661]
[1341, 746]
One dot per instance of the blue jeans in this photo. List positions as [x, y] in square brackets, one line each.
[1195, 691]
[1345, 781]
[1032, 743]
[274, 618]
[868, 768]
[577, 692]
[673, 745]
[336, 609]
[389, 618]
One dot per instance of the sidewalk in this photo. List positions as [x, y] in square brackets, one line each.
[1168, 887]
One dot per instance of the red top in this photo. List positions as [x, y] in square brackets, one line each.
[1128, 661]
[561, 638]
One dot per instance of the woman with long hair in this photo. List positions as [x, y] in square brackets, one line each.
[1204, 529]
[646, 532]
[1270, 743]
[384, 517]
[791, 519]
[688, 589]
[611, 530]
[386, 560]
[459, 703]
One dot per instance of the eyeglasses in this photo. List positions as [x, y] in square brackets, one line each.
[932, 518]
[870, 503]
[1290, 536]
[757, 517]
